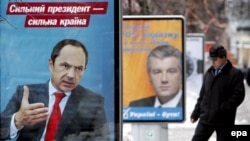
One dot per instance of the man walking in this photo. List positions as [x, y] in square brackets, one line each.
[221, 93]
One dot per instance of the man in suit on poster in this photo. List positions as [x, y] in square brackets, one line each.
[164, 67]
[27, 115]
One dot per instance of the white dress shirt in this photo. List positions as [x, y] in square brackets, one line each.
[171, 103]
[52, 90]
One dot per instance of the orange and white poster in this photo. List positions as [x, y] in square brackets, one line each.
[140, 35]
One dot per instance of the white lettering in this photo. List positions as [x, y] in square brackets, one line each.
[170, 115]
[69, 9]
[141, 115]
[25, 9]
[75, 21]
[239, 133]
[38, 22]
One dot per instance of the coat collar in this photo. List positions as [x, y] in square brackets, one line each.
[225, 69]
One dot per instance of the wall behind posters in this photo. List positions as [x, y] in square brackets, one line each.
[26, 44]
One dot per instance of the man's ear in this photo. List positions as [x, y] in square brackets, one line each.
[51, 65]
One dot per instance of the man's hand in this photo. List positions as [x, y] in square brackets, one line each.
[30, 114]
[193, 120]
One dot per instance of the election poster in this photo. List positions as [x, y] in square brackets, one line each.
[195, 46]
[30, 29]
[153, 68]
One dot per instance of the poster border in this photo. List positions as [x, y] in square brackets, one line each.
[117, 70]
[177, 17]
[117, 18]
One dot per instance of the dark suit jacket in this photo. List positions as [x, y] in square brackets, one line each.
[83, 117]
[148, 102]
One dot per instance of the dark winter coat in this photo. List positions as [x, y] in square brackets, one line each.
[220, 96]
[248, 77]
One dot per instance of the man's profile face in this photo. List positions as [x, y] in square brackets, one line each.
[165, 76]
[217, 62]
[68, 68]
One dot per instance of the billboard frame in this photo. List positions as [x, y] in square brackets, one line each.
[181, 19]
